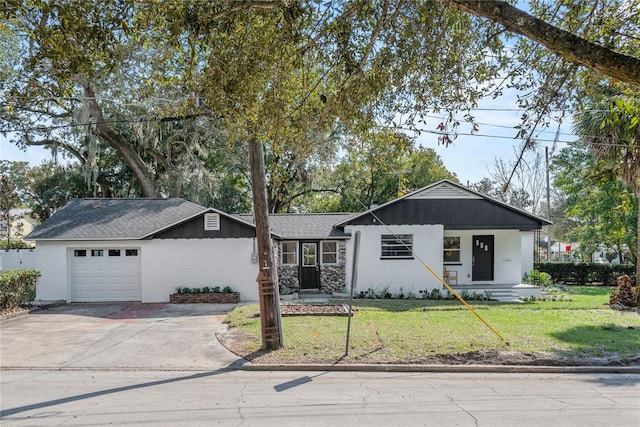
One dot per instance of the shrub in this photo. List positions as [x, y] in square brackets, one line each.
[538, 278]
[216, 289]
[625, 295]
[206, 290]
[435, 294]
[583, 273]
[227, 290]
[17, 287]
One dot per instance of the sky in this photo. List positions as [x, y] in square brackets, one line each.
[473, 157]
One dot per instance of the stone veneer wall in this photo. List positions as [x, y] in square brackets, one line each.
[287, 274]
[333, 277]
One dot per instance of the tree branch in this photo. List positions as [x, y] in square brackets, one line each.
[120, 144]
[52, 142]
[567, 45]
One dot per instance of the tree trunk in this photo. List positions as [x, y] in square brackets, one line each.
[267, 277]
[569, 46]
[102, 129]
[638, 244]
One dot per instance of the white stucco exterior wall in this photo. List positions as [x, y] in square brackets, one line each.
[408, 274]
[169, 263]
[527, 252]
[507, 252]
[165, 265]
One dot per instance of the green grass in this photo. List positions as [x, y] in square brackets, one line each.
[408, 331]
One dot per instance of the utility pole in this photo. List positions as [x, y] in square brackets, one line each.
[546, 155]
[268, 293]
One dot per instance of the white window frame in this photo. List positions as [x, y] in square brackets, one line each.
[322, 252]
[446, 249]
[295, 252]
[396, 246]
[212, 222]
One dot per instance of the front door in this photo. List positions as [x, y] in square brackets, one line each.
[482, 258]
[309, 266]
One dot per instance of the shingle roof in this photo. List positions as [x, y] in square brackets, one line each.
[114, 219]
[305, 225]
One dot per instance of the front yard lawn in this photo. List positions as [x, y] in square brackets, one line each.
[577, 328]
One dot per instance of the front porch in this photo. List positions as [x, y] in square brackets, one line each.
[504, 292]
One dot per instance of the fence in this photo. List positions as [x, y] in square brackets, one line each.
[17, 258]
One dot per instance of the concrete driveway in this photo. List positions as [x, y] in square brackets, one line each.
[128, 335]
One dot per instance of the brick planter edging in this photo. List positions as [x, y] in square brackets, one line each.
[206, 298]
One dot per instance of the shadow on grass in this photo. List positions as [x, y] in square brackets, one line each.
[609, 344]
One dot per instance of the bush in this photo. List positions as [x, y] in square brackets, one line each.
[625, 295]
[583, 273]
[205, 290]
[17, 287]
[538, 278]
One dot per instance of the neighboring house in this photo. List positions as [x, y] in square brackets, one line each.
[564, 251]
[21, 226]
[142, 249]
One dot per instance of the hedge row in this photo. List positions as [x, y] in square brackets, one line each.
[583, 273]
[17, 287]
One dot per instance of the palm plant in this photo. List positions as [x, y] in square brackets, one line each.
[611, 131]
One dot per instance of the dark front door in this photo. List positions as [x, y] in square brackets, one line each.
[482, 258]
[309, 266]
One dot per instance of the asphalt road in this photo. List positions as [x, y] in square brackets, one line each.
[125, 364]
[247, 398]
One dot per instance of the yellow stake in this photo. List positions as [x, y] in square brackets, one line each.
[463, 301]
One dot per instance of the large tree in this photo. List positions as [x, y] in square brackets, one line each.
[611, 131]
[601, 211]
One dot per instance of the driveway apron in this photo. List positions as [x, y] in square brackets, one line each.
[128, 335]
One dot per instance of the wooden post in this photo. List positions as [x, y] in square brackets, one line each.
[267, 287]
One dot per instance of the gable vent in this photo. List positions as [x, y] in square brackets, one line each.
[444, 191]
[211, 222]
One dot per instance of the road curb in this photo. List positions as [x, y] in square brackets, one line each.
[508, 369]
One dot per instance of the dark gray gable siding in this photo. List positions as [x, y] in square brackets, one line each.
[462, 214]
[194, 229]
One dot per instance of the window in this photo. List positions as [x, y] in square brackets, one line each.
[97, 252]
[114, 252]
[289, 253]
[131, 252]
[329, 252]
[309, 254]
[396, 246]
[80, 252]
[451, 249]
[212, 222]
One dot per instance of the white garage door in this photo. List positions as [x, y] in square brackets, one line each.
[104, 274]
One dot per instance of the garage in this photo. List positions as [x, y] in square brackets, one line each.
[103, 250]
[105, 274]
